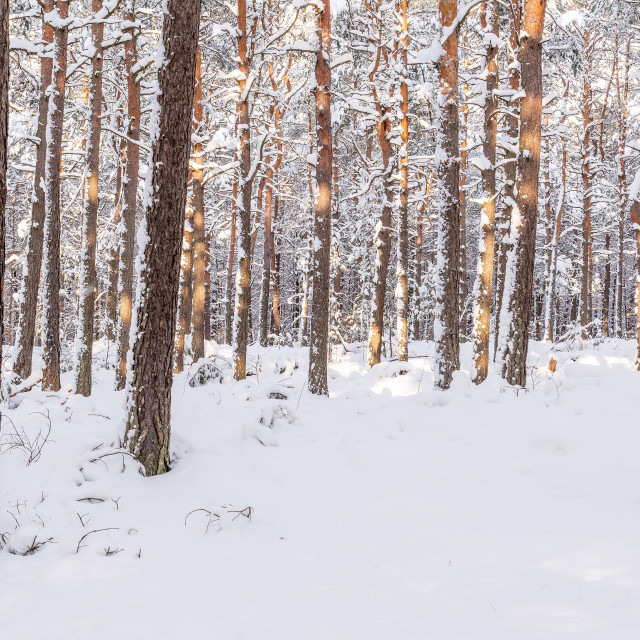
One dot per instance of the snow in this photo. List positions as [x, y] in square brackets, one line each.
[389, 510]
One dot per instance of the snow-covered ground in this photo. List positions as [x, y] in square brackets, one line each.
[389, 511]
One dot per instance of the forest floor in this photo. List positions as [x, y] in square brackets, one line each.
[389, 511]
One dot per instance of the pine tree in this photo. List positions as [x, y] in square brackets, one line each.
[148, 426]
[319, 335]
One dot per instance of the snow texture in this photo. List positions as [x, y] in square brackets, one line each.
[391, 510]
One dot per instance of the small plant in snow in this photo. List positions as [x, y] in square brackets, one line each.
[15, 438]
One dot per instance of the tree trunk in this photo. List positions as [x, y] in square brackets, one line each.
[447, 313]
[623, 95]
[585, 289]
[519, 284]
[199, 244]
[267, 256]
[149, 399]
[4, 137]
[484, 282]
[55, 124]
[88, 274]
[228, 314]
[243, 205]
[606, 293]
[207, 288]
[550, 313]
[34, 248]
[319, 338]
[513, 124]
[127, 240]
[184, 307]
[402, 288]
[114, 249]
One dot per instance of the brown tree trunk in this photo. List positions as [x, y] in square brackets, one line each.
[482, 313]
[623, 95]
[447, 313]
[275, 268]
[127, 240]
[585, 289]
[243, 205]
[550, 317]
[199, 244]
[513, 124]
[114, 249]
[464, 159]
[517, 318]
[207, 289]
[33, 266]
[319, 338]
[4, 136]
[402, 288]
[267, 257]
[184, 307]
[149, 400]
[88, 274]
[55, 124]
[606, 293]
[382, 235]
[229, 304]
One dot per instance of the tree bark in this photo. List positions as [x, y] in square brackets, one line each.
[55, 124]
[184, 308]
[127, 240]
[513, 124]
[243, 204]
[585, 288]
[447, 313]
[31, 272]
[114, 249]
[482, 296]
[149, 396]
[402, 287]
[519, 284]
[319, 338]
[199, 248]
[88, 274]
[4, 138]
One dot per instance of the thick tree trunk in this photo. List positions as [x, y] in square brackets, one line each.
[243, 205]
[484, 282]
[402, 287]
[319, 338]
[149, 395]
[88, 274]
[55, 124]
[199, 248]
[34, 248]
[447, 313]
[519, 284]
[127, 240]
